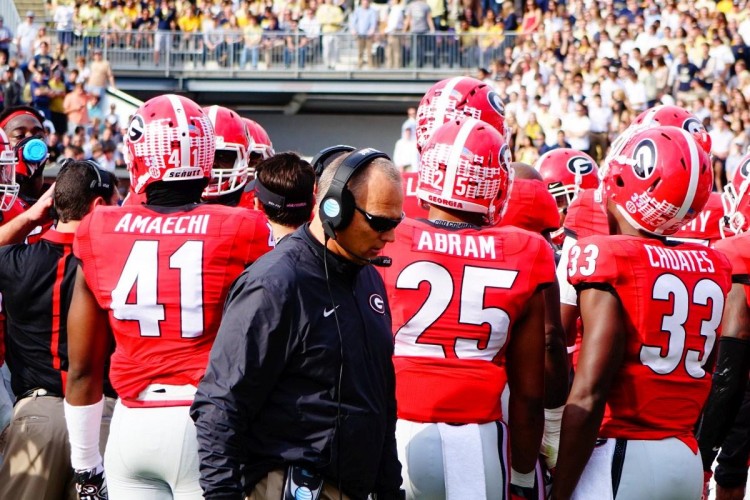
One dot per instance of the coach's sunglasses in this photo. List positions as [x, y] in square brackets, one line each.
[378, 223]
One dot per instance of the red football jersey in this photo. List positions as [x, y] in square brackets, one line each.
[672, 300]
[163, 277]
[531, 207]
[737, 250]
[455, 292]
[412, 205]
[247, 200]
[705, 228]
[586, 216]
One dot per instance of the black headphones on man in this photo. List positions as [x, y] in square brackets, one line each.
[337, 207]
[327, 155]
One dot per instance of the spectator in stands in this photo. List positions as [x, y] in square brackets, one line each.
[577, 127]
[76, 109]
[11, 89]
[165, 15]
[420, 24]
[63, 19]
[721, 140]
[363, 23]
[41, 94]
[42, 62]
[25, 35]
[58, 90]
[331, 19]
[100, 75]
[394, 28]
[600, 117]
[6, 37]
[252, 36]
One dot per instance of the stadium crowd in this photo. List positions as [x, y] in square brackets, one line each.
[552, 63]
[254, 324]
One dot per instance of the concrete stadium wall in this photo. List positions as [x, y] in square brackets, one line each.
[308, 134]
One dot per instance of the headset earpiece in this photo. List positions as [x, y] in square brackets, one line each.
[337, 207]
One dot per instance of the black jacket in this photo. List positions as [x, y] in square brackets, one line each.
[269, 395]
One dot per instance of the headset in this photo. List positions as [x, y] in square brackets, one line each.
[327, 155]
[337, 207]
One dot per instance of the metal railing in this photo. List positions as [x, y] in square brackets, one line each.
[221, 51]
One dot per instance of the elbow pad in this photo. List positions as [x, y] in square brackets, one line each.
[730, 376]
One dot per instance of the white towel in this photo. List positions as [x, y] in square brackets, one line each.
[463, 462]
[596, 480]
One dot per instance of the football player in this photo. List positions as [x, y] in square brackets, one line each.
[736, 200]
[733, 359]
[260, 149]
[25, 134]
[457, 99]
[675, 116]
[155, 276]
[532, 207]
[566, 172]
[229, 172]
[651, 312]
[465, 298]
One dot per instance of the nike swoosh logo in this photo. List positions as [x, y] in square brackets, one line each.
[328, 312]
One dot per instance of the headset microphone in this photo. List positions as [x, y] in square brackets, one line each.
[380, 260]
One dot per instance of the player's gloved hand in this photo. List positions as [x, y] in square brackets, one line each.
[91, 484]
[707, 474]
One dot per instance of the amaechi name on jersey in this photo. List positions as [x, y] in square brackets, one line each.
[680, 260]
[460, 245]
[183, 224]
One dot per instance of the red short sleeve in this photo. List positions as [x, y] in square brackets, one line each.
[591, 261]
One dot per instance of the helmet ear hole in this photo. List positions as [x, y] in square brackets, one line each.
[619, 182]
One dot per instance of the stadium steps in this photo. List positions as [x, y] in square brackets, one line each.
[36, 5]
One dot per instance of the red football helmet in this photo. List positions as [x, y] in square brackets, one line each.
[8, 186]
[455, 99]
[567, 171]
[465, 166]
[169, 138]
[675, 116]
[261, 147]
[229, 172]
[660, 180]
[736, 199]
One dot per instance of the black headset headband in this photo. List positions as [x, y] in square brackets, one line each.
[327, 155]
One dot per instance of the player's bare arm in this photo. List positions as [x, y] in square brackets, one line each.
[601, 356]
[525, 359]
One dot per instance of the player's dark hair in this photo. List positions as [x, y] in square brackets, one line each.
[175, 193]
[288, 176]
[77, 185]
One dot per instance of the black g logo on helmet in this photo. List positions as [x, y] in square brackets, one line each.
[580, 165]
[136, 129]
[644, 155]
[693, 126]
[496, 103]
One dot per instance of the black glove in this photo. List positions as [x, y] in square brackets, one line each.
[91, 484]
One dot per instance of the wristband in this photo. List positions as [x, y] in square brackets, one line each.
[523, 480]
[83, 424]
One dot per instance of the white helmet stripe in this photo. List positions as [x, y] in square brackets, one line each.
[441, 103]
[212, 112]
[694, 165]
[455, 157]
[182, 126]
